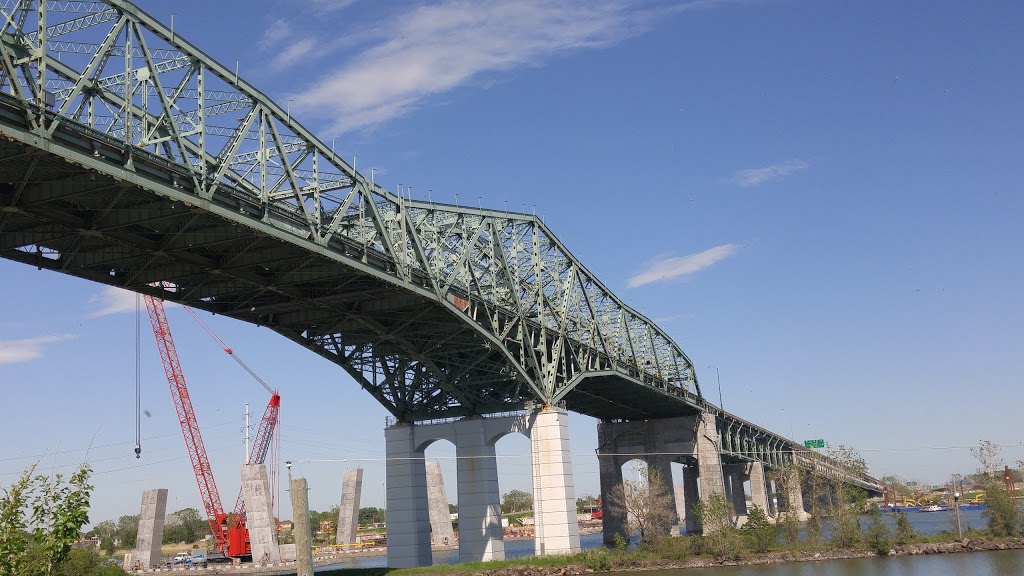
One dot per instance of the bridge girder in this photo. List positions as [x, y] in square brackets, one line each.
[120, 169]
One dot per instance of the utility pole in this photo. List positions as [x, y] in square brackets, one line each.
[956, 506]
[719, 377]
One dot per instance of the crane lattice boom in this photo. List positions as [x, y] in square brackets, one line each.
[187, 418]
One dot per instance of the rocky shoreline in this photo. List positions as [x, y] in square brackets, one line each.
[626, 563]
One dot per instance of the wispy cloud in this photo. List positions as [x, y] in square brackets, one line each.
[112, 301]
[28, 349]
[756, 176]
[668, 268]
[330, 6]
[435, 48]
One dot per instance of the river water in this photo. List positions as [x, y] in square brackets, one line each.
[975, 563]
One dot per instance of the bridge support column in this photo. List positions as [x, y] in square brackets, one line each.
[690, 476]
[758, 493]
[658, 443]
[709, 457]
[556, 530]
[679, 491]
[407, 516]
[794, 496]
[663, 464]
[441, 533]
[480, 537]
[613, 513]
[348, 511]
[734, 476]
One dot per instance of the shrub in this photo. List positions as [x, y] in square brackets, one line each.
[878, 537]
[758, 531]
[904, 531]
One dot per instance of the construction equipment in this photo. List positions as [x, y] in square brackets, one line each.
[229, 532]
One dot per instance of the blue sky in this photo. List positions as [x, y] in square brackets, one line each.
[822, 199]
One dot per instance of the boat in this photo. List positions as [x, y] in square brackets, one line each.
[933, 508]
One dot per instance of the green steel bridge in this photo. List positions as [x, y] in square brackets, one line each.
[131, 158]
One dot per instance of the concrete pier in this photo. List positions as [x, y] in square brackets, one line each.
[656, 442]
[348, 511]
[303, 549]
[480, 536]
[407, 514]
[709, 457]
[679, 491]
[556, 530]
[151, 528]
[795, 497]
[691, 474]
[259, 514]
[441, 532]
[758, 490]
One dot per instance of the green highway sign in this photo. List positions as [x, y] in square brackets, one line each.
[911, 483]
[819, 443]
[888, 478]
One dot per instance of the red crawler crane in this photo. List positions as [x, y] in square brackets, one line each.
[231, 535]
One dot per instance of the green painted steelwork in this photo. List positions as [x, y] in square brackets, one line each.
[130, 157]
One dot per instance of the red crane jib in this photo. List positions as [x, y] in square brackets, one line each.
[189, 426]
[230, 532]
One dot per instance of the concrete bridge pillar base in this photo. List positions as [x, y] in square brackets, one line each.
[758, 493]
[407, 515]
[348, 511]
[480, 537]
[735, 475]
[691, 474]
[556, 530]
[795, 498]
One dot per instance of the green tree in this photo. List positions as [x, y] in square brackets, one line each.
[845, 501]
[904, 531]
[106, 531]
[878, 536]
[128, 530]
[40, 518]
[516, 501]
[758, 531]
[371, 515]
[1001, 512]
[84, 563]
[720, 538]
[647, 503]
[585, 502]
[187, 525]
[784, 479]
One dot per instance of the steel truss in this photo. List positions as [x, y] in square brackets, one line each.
[131, 158]
[432, 308]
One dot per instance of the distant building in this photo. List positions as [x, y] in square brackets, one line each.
[285, 526]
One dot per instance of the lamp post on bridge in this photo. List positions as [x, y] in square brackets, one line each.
[719, 377]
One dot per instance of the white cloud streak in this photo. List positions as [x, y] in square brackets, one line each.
[112, 301]
[756, 176]
[28, 349]
[435, 48]
[675, 267]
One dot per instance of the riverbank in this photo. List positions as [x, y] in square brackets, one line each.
[610, 561]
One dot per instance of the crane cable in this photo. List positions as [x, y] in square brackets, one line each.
[138, 375]
[226, 348]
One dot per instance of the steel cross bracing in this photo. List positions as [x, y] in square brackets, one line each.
[743, 441]
[130, 157]
[434, 309]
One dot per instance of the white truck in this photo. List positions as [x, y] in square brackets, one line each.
[187, 559]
